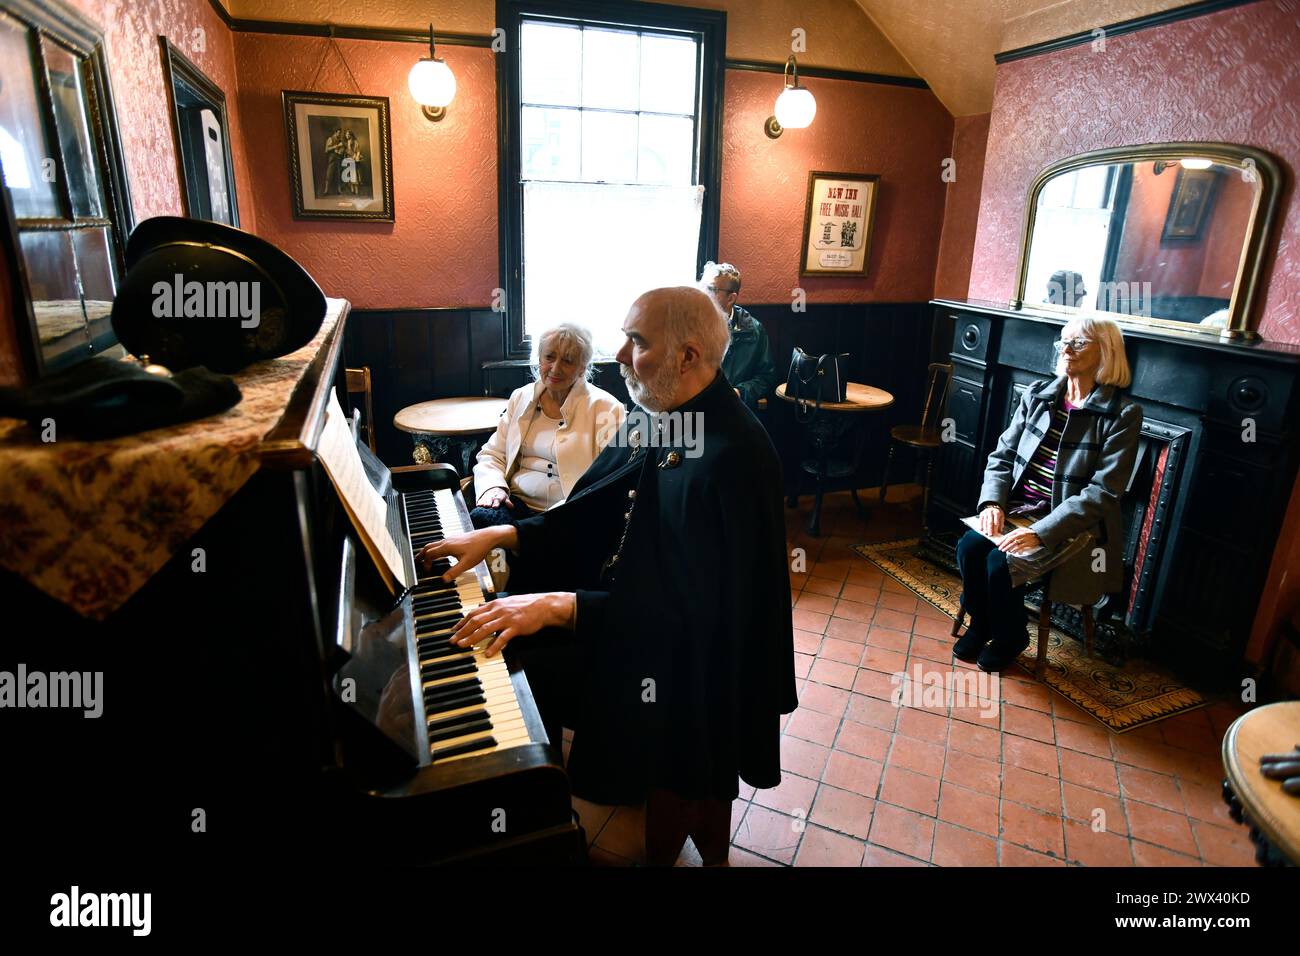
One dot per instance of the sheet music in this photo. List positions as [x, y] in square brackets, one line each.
[1011, 523]
[365, 507]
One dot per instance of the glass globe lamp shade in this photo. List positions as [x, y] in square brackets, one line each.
[432, 83]
[795, 108]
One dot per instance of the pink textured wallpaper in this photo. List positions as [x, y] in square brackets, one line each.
[902, 134]
[132, 28]
[961, 209]
[442, 249]
[1231, 76]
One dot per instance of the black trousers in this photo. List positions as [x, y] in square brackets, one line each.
[996, 609]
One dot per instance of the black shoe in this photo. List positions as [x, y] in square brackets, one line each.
[999, 655]
[969, 645]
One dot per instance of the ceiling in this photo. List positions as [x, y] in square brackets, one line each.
[951, 43]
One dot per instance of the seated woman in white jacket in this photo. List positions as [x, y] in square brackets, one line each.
[549, 434]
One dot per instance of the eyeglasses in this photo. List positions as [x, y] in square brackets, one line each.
[1071, 345]
[714, 288]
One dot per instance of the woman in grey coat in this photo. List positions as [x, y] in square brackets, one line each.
[1060, 470]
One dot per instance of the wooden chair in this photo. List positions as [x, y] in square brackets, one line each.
[359, 384]
[925, 437]
[1044, 625]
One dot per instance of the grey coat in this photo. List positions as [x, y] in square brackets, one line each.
[1098, 451]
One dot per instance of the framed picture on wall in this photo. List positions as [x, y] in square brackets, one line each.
[340, 156]
[1189, 205]
[837, 223]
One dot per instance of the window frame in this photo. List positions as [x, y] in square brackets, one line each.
[708, 26]
[54, 21]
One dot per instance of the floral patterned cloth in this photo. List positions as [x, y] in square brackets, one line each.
[89, 522]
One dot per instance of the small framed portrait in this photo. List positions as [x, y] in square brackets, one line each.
[1189, 205]
[340, 156]
[837, 223]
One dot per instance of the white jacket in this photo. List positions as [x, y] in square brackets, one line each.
[589, 418]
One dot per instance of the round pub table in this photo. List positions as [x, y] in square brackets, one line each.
[1253, 799]
[827, 423]
[450, 426]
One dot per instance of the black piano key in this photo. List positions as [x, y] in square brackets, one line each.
[439, 729]
[449, 669]
[461, 730]
[454, 703]
[435, 701]
[438, 599]
[439, 624]
[436, 620]
[470, 747]
[439, 698]
[445, 661]
[438, 653]
[455, 687]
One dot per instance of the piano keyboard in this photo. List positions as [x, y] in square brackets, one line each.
[469, 701]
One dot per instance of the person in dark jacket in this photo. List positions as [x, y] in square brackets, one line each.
[659, 628]
[1060, 470]
[748, 362]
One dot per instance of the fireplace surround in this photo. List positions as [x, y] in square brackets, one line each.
[1216, 466]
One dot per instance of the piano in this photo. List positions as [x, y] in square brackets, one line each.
[284, 704]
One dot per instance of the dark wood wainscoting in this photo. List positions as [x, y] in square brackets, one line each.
[419, 354]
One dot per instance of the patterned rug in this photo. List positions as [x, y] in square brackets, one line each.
[1121, 698]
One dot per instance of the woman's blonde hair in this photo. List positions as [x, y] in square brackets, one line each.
[1114, 368]
[566, 335]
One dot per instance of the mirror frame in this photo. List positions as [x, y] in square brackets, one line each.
[1259, 229]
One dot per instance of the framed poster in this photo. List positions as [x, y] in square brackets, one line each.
[340, 156]
[1190, 203]
[837, 223]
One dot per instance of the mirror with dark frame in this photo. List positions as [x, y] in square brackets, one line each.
[1170, 235]
[202, 136]
[65, 206]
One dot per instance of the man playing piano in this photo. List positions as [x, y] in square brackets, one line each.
[659, 627]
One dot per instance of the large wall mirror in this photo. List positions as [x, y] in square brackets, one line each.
[65, 210]
[1170, 234]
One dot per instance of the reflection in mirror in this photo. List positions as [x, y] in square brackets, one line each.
[94, 258]
[74, 134]
[1161, 238]
[24, 152]
[56, 299]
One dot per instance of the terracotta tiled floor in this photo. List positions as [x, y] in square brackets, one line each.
[1032, 782]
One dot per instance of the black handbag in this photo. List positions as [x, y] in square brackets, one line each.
[816, 378]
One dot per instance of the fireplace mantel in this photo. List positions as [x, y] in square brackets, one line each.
[1220, 449]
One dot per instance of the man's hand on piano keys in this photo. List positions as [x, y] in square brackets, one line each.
[506, 618]
[467, 549]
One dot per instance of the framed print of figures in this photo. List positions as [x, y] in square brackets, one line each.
[340, 156]
[1192, 196]
[837, 223]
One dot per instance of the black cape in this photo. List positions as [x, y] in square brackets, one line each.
[688, 650]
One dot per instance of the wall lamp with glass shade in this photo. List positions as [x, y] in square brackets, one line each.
[795, 107]
[432, 84]
[1189, 162]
